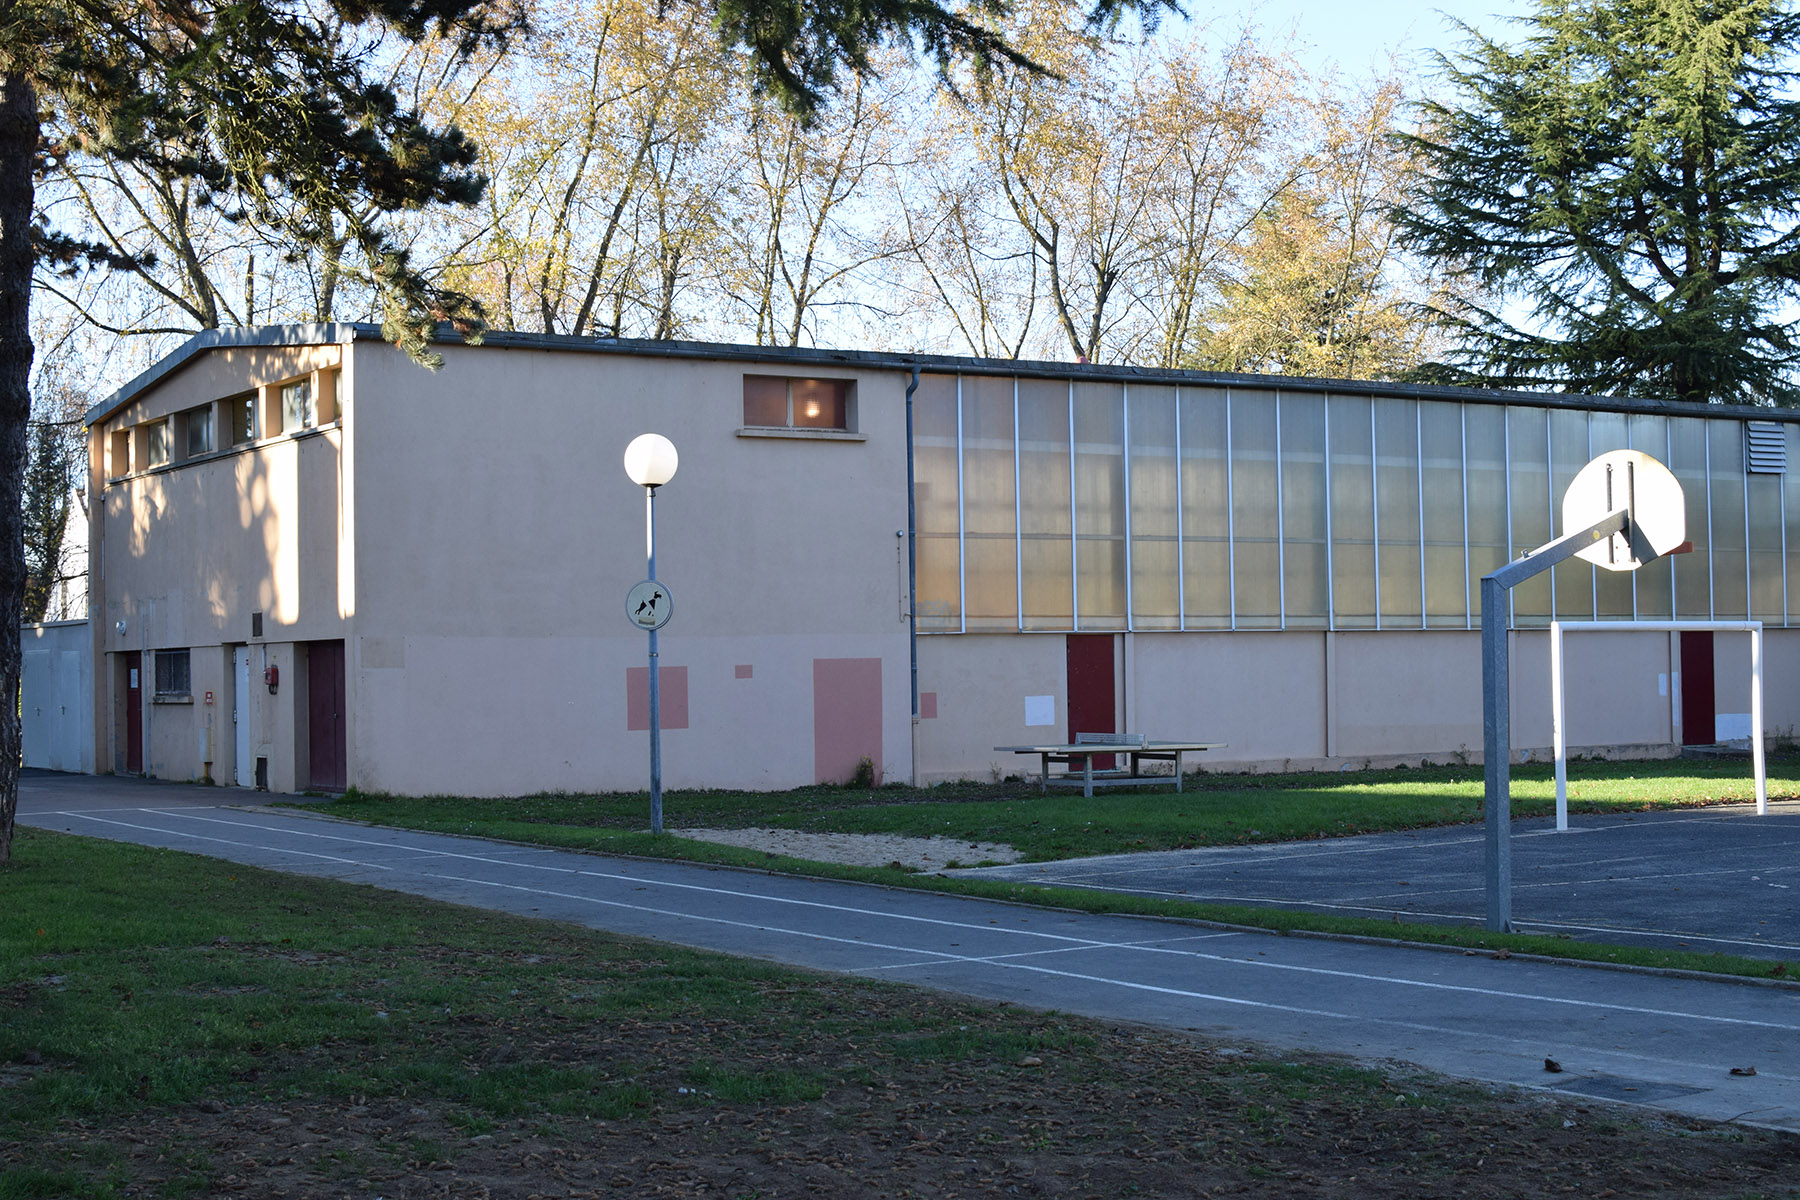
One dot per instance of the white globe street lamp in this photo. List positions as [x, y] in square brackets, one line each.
[650, 461]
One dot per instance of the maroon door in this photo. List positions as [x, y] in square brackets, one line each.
[325, 716]
[1697, 688]
[134, 713]
[1092, 702]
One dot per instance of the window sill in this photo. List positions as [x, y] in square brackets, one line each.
[172, 698]
[804, 435]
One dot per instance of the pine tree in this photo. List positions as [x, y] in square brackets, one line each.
[1622, 184]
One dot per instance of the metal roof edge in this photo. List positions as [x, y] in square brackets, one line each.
[345, 332]
[335, 332]
[1028, 368]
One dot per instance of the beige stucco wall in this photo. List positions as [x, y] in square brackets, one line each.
[499, 534]
[1309, 699]
[183, 555]
[978, 685]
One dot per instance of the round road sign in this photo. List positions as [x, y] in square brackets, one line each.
[649, 605]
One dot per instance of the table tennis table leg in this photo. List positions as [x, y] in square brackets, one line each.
[1044, 774]
[1087, 776]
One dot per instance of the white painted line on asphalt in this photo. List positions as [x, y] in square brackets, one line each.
[1329, 848]
[734, 894]
[1521, 925]
[109, 820]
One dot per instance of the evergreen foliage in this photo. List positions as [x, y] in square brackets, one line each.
[1622, 183]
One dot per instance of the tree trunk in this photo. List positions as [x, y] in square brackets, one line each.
[18, 142]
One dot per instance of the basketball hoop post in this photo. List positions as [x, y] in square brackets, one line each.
[1622, 492]
[1496, 711]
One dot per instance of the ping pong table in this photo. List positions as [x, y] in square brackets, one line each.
[1135, 748]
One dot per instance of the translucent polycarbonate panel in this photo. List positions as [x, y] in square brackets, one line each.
[1155, 562]
[1352, 512]
[935, 504]
[1767, 568]
[1046, 541]
[1568, 454]
[1612, 589]
[1484, 431]
[1397, 507]
[1205, 519]
[1731, 598]
[1693, 572]
[1441, 475]
[990, 534]
[1654, 582]
[1528, 455]
[1608, 431]
[1255, 510]
[1613, 594]
[1099, 506]
[1305, 567]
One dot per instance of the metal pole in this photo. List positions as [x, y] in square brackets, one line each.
[1559, 737]
[1756, 720]
[1496, 712]
[912, 568]
[656, 816]
[1496, 754]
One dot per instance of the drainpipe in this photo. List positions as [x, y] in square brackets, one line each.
[912, 572]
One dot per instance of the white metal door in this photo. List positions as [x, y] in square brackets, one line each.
[245, 766]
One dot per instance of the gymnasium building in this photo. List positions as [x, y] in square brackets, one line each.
[315, 565]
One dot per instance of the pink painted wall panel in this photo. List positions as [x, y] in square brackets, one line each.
[672, 682]
[846, 716]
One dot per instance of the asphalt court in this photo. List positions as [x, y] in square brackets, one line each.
[1673, 1043]
[1708, 879]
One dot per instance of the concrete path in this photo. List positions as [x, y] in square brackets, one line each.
[1662, 1042]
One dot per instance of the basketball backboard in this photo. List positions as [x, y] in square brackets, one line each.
[1627, 479]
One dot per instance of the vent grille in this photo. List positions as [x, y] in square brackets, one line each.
[1765, 447]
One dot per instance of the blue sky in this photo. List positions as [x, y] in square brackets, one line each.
[1356, 36]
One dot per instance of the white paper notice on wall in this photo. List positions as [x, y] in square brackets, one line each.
[1040, 710]
[1731, 727]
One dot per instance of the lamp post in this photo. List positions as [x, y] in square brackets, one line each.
[650, 461]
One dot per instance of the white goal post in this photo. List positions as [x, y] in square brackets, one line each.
[1557, 724]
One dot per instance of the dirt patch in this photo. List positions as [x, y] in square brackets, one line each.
[861, 849]
[1021, 1105]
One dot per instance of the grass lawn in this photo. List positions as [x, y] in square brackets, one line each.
[1215, 809]
[178, 1026]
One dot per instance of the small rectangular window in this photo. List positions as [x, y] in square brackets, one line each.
[297, 408]
[243, 418]
[119, 454]
[172, 673]
[199, 431]
[777, 402]
[765, 400]
[818, 403]
[158, 443]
